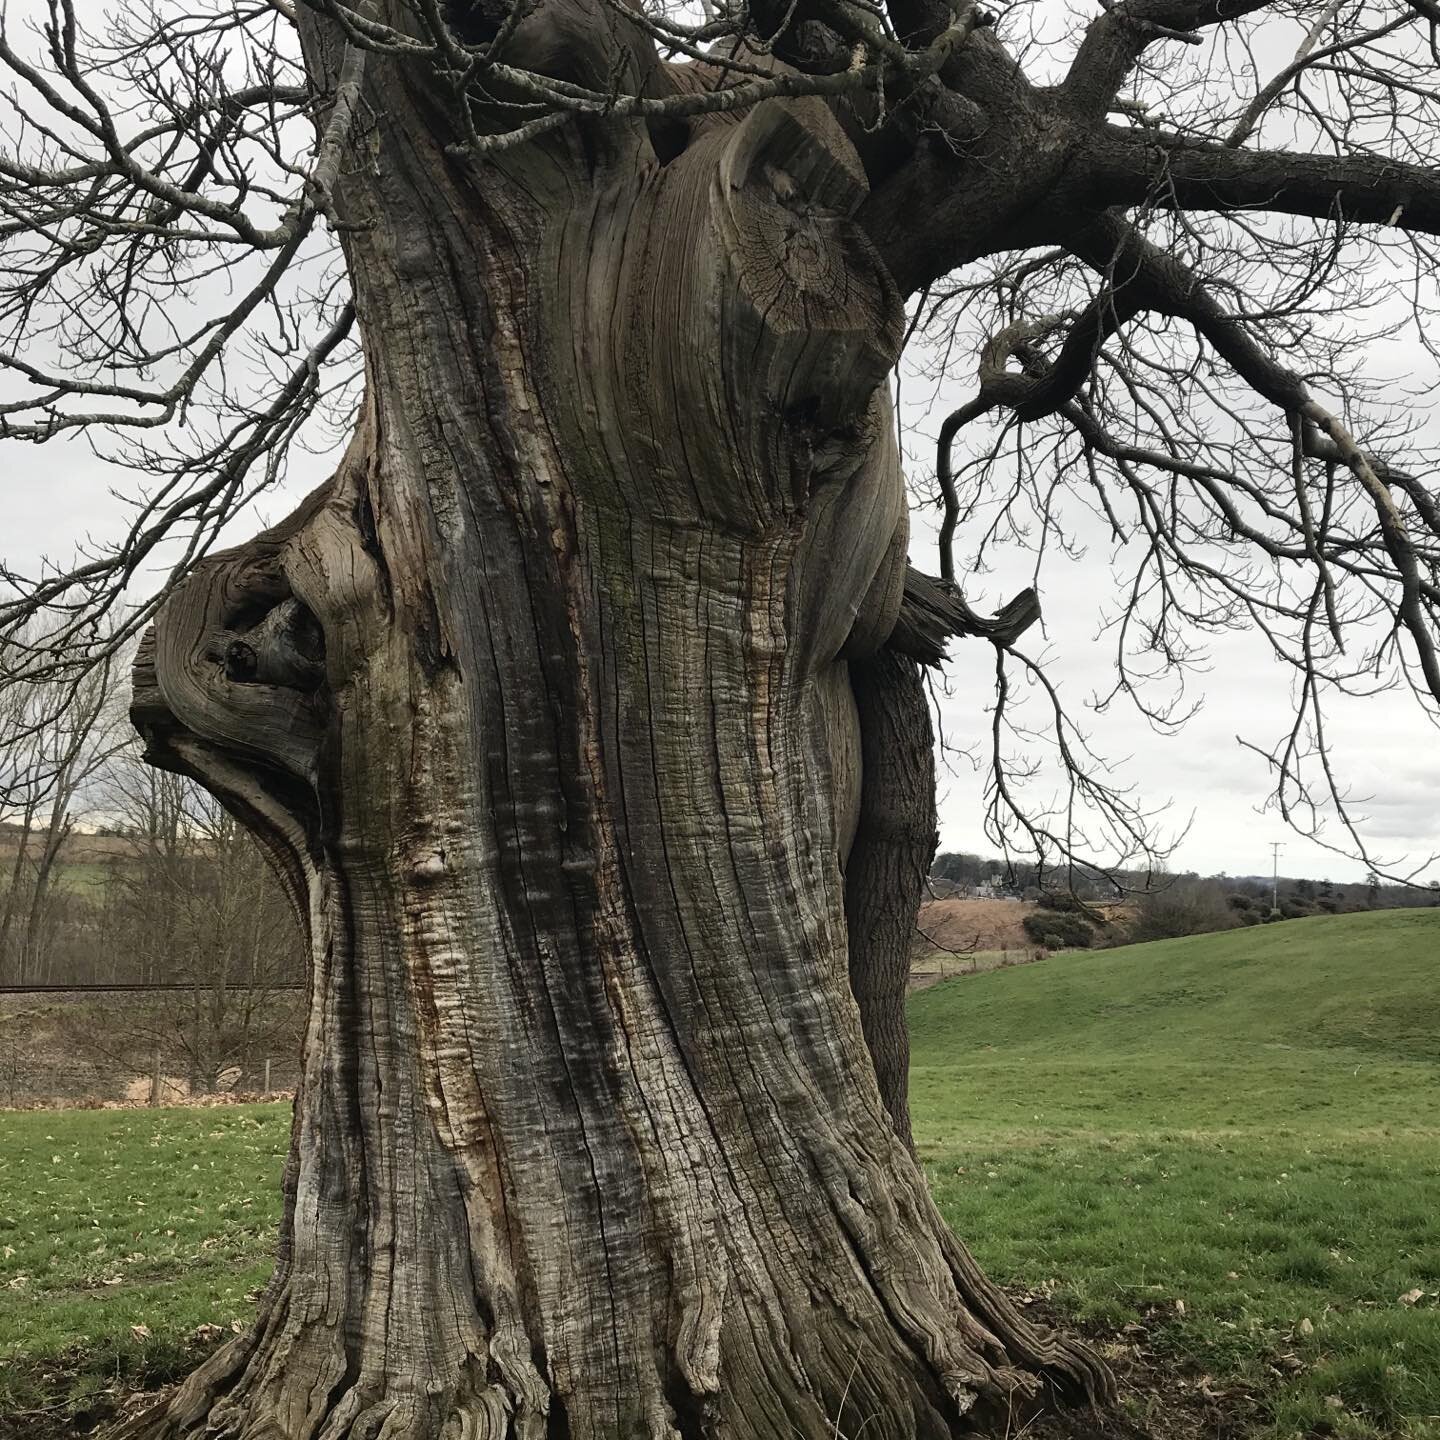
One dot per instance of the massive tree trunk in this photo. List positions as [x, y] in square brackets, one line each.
[544, 709]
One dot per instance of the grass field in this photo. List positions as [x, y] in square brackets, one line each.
[122, 1233]
[1219, 1152]
[85, 864]
[1244, 1125]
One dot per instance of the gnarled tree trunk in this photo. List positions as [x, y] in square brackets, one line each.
[544, 708]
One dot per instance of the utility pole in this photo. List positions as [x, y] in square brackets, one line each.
[1276, 847]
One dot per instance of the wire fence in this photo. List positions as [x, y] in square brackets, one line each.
[145, 1045]
[933, 966]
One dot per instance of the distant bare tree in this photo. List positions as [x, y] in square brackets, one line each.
[59, 737]
[191, 901]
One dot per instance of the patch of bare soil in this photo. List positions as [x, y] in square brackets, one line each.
[1157, 1401]
[102, 1405]
[958, 926]
[1160, 1399]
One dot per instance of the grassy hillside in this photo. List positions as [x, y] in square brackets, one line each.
[1227, 1143]
[1219, 1155]
[1367, 981]
[1251, 1027]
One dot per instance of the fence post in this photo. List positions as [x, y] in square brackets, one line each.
[267, 1076]
[155, 1079]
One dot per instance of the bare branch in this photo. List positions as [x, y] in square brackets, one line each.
[1132, 167]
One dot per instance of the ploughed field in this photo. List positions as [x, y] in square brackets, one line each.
[1220, 1156]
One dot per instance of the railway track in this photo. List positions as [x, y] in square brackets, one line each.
[131, 989]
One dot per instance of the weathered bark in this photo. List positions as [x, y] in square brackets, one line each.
[889, 860]
[543, 709]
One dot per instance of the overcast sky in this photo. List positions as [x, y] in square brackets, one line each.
[1387, 752]
[1384, 745]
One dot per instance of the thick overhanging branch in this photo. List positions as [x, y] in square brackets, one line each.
[1123, 167]
[1298, 530]
[1063, 164]
[1118, 37]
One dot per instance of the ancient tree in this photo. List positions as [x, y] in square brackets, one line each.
[581, 708]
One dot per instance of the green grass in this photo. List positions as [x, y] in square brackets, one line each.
[84, 877]
[121, 1232]
[1246, 1125]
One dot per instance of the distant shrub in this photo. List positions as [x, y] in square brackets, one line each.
[1060, 902]
[1240, 902]
[1184, 907]
[1059, 930]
